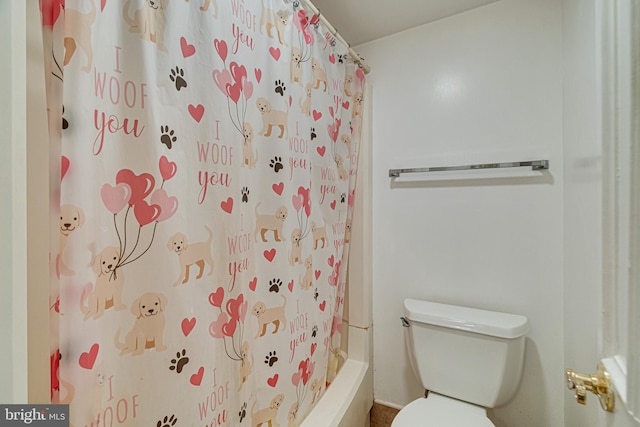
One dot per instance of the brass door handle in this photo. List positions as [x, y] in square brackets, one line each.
[598, 383]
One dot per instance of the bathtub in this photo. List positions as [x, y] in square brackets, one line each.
[348, 400]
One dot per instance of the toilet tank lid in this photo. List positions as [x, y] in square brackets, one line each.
[501, 325]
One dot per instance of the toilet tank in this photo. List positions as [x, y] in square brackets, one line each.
[465, 353]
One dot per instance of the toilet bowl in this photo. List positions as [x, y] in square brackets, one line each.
[441, 411]
[468, 360]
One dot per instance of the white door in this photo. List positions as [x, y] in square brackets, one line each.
[603, 267]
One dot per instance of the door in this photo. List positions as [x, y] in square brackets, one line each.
[602, 216]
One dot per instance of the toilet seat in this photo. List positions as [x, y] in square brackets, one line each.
[441, 411]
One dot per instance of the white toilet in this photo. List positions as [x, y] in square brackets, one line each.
[467, 359]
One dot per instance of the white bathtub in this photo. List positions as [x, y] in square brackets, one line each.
[348, 400]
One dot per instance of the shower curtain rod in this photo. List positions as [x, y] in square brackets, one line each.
[352, 53]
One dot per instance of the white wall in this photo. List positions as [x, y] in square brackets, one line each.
[583, 166]
[6, 313]
[481, 86]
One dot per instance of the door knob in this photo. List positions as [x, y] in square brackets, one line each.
[598, 383]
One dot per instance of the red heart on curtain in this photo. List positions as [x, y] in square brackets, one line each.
[187, 49]
[216, 298]
[233, 91]
[221, 48]
[316, 115]
[253, 283]
[88, 359]
[277, 188]
[237, 72]
[229, 328]
[273, 380]
[317, 272]
[146, 213]
[141, 185]
[196, 112]
[64, 166]
[269, 255]
[167, 169]
[275, 53]
[196, 379]
[227, 205]
[188, 325]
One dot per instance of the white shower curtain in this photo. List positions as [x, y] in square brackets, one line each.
[209, 153]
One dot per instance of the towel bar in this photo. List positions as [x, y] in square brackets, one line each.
[534, 164]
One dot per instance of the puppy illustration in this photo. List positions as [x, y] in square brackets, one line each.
[348, 80]
[270, 19]
[357, 105]
[295, 256]
[206, 5]
[293, 413]
[78, 34]
[270, 222]
[272, 118]
[267, 415]
[189, 254]
[245, 364]
[148, 328]
[149, 21]
[71, 218]
[319, 234]
[107, 291]
[248, 157]
[316, 388]
[306, 281]
[305, 106]
[346, 139]
[273, 315]
[295, 67]
[343, 174]
[319, 75]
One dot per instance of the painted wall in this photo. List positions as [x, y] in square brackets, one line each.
[483, 86]
[6, 314]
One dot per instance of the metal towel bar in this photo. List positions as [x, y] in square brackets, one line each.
[534, 164]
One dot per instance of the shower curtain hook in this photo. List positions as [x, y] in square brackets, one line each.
[296, 4]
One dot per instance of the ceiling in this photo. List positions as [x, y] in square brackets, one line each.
[361, 21]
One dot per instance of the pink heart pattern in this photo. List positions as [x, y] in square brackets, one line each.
[196, 111]
[187, 325]
[88, 359]
[187, 49]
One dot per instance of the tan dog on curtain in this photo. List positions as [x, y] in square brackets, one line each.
[273, 315]
[148, 328]
[191, 253]
[107, 292]
[272, 118]
[270, 222]
[270, 19]
[306, 281]
[319, 75]
[249, 158]
[246, 365]
[71, 218]
[78, 34]
[149, 21]
[267, 415]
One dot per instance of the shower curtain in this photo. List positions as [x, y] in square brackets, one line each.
[208, 162]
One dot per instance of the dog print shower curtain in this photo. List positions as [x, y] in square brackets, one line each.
[208, 162]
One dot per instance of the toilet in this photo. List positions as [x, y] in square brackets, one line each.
[466, 359]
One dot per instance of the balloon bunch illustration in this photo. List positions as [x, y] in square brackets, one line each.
[301, 377]
[234, 84]
[136, 193]
[230, 323]
[302, 205]
[303, 23]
